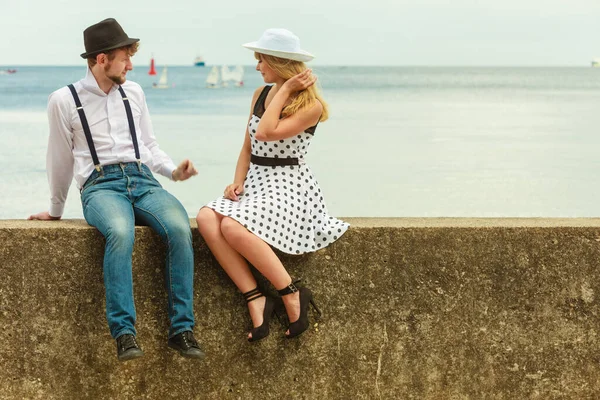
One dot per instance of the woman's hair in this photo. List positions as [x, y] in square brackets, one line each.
[286, 69]
[111, 54]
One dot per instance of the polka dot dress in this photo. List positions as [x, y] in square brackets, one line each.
[283, 205]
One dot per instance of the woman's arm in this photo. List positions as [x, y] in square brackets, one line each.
[272, 128]
[243, 163]
[241, 169]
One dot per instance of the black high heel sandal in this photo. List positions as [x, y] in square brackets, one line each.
[306, 297]
[262, 331]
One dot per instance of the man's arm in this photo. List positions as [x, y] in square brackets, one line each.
[161, 162]
[59, 159]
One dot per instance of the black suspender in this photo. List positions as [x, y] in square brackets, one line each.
[88, 133]
[131, 124]
[86, 128]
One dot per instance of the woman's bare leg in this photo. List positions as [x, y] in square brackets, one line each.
[260, 254]
[236, 267]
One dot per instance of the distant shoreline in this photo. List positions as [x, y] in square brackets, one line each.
[587, 66]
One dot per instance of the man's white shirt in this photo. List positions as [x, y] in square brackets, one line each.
[68, 153]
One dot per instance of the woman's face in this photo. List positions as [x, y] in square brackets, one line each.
[269, 76]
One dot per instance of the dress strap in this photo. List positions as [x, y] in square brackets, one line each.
[312, 129]
[259, 106]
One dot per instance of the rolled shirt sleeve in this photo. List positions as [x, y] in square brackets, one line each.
[59, 157]
[161, 162]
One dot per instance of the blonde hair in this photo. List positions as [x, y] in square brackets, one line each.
[111, 54]
[286, 69]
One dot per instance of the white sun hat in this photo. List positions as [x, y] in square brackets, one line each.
[280, 43]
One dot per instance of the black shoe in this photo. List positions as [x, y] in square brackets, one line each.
[262, 331]
[186, 345]
[127, 348]
[306, 298]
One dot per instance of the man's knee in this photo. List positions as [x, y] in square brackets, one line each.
[176, 224]
[120, 231]
[179, 229]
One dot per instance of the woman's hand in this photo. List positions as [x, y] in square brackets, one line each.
[231, 191]
[299, 82]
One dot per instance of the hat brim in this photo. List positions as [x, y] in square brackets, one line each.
[116, 46]
[300, 55]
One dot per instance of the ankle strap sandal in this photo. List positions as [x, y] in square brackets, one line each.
[253, 294]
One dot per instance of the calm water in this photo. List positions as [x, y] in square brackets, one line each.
[405, 141]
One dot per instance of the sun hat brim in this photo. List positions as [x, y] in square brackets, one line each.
[299, 55]
[124, 43]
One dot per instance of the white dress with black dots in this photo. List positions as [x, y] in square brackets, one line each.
[282, 204]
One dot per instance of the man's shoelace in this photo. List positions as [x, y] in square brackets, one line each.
[128, 342]
[189, 340]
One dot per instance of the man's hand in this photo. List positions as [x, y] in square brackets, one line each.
[43, 216]
[184, 171]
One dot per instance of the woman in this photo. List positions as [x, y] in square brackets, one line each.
[274, 199]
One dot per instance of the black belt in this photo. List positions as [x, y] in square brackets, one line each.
[268, 161]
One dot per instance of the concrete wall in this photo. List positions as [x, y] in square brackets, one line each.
[413, 309]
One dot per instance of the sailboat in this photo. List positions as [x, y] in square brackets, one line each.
[596, 62]
[237, 76]
[162, 82]
[152, 70]
[212, 80]
[225, 76]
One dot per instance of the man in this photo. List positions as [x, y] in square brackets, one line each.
[101, 134]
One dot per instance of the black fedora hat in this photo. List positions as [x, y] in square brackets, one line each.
[104, 36]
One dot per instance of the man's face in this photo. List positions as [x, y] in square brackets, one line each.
[117, 68]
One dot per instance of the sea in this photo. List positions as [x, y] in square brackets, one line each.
[400, 141]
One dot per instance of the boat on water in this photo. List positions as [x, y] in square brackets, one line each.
[238, 76]
[152, 70]
[234, 76]
[213, 78]
[8, 71]
[225, 76]
[163, 82]
[596, 63]
[199, 61]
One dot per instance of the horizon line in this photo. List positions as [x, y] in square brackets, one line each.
[333, 65]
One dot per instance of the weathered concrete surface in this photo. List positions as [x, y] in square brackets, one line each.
[413, 309]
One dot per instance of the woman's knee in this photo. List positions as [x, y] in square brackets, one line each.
[231, 229]
[208, 222]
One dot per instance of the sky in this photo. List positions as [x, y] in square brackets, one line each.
[350, 32]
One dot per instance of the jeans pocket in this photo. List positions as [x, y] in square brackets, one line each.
[89, 183]
[84, 193]
[85, 196]
[148, 175]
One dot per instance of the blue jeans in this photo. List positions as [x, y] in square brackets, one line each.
[113, 201]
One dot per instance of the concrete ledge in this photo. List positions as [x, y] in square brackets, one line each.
[413, 308]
